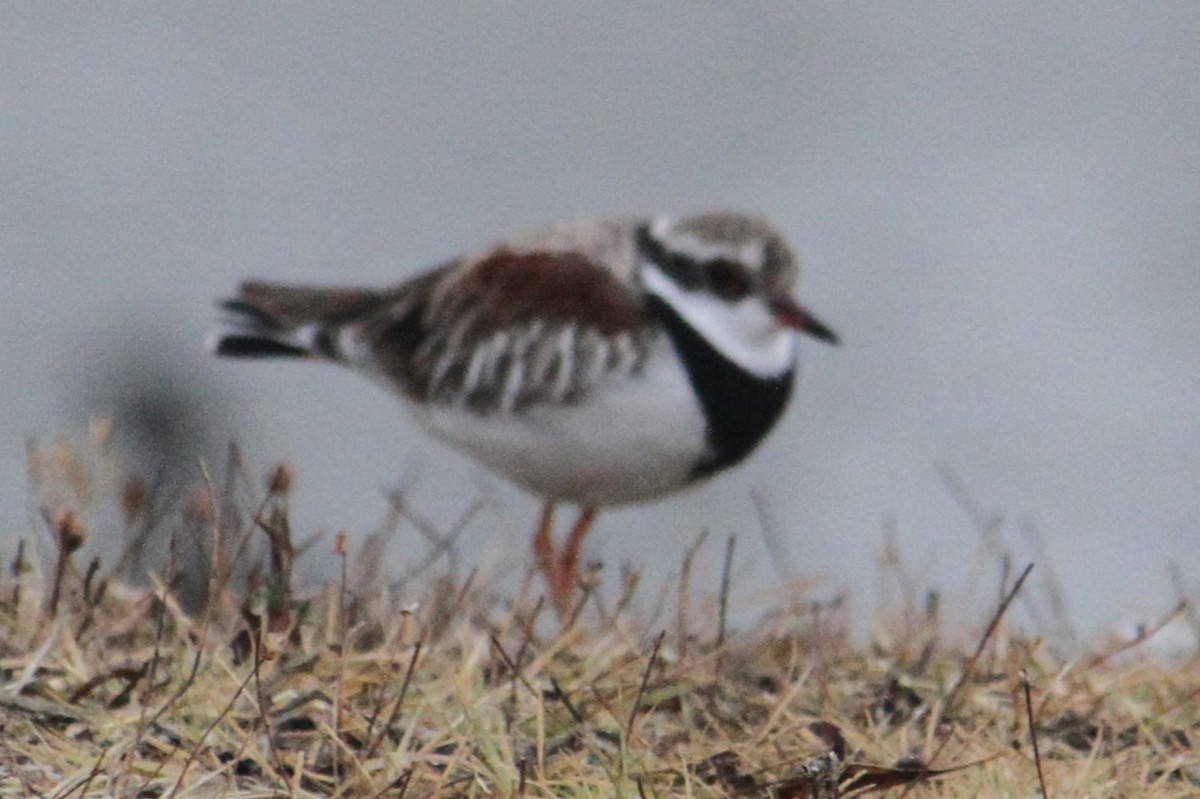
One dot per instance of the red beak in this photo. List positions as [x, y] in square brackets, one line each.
[792, 314]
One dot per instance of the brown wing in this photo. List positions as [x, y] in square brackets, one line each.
[511, 330]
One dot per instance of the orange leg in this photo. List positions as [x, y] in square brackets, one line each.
[560, 569]
[543, 546]
[568, 558]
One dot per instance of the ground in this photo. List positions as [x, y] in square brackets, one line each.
[252, 685]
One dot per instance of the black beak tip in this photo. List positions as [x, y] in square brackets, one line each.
[821, 332]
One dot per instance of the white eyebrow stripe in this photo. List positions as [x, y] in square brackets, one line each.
[750, 253]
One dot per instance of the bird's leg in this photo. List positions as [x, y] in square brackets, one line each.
[560, 568]
[568, 562]
[543, 546]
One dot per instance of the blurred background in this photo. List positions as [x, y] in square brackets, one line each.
[997, 206]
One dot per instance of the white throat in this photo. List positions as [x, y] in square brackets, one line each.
[745, 332]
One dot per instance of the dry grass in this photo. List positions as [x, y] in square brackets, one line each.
[107, 689]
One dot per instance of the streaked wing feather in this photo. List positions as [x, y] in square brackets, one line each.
[508, 331]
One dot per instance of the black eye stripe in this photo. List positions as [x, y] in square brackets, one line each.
[728, 279]
[725, 269]
[685, 271]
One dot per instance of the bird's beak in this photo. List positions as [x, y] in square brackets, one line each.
[792, 314]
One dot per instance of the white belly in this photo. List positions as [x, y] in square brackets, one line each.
[631, 439]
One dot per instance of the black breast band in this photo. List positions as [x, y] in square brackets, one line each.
[739, 407]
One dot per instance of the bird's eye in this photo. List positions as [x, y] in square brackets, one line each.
[728, 279]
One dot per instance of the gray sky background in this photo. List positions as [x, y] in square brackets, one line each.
[997, 206]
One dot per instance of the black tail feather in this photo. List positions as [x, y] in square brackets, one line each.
[250, 346]
[248, 314]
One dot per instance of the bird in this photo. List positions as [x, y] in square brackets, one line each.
[596, 362]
